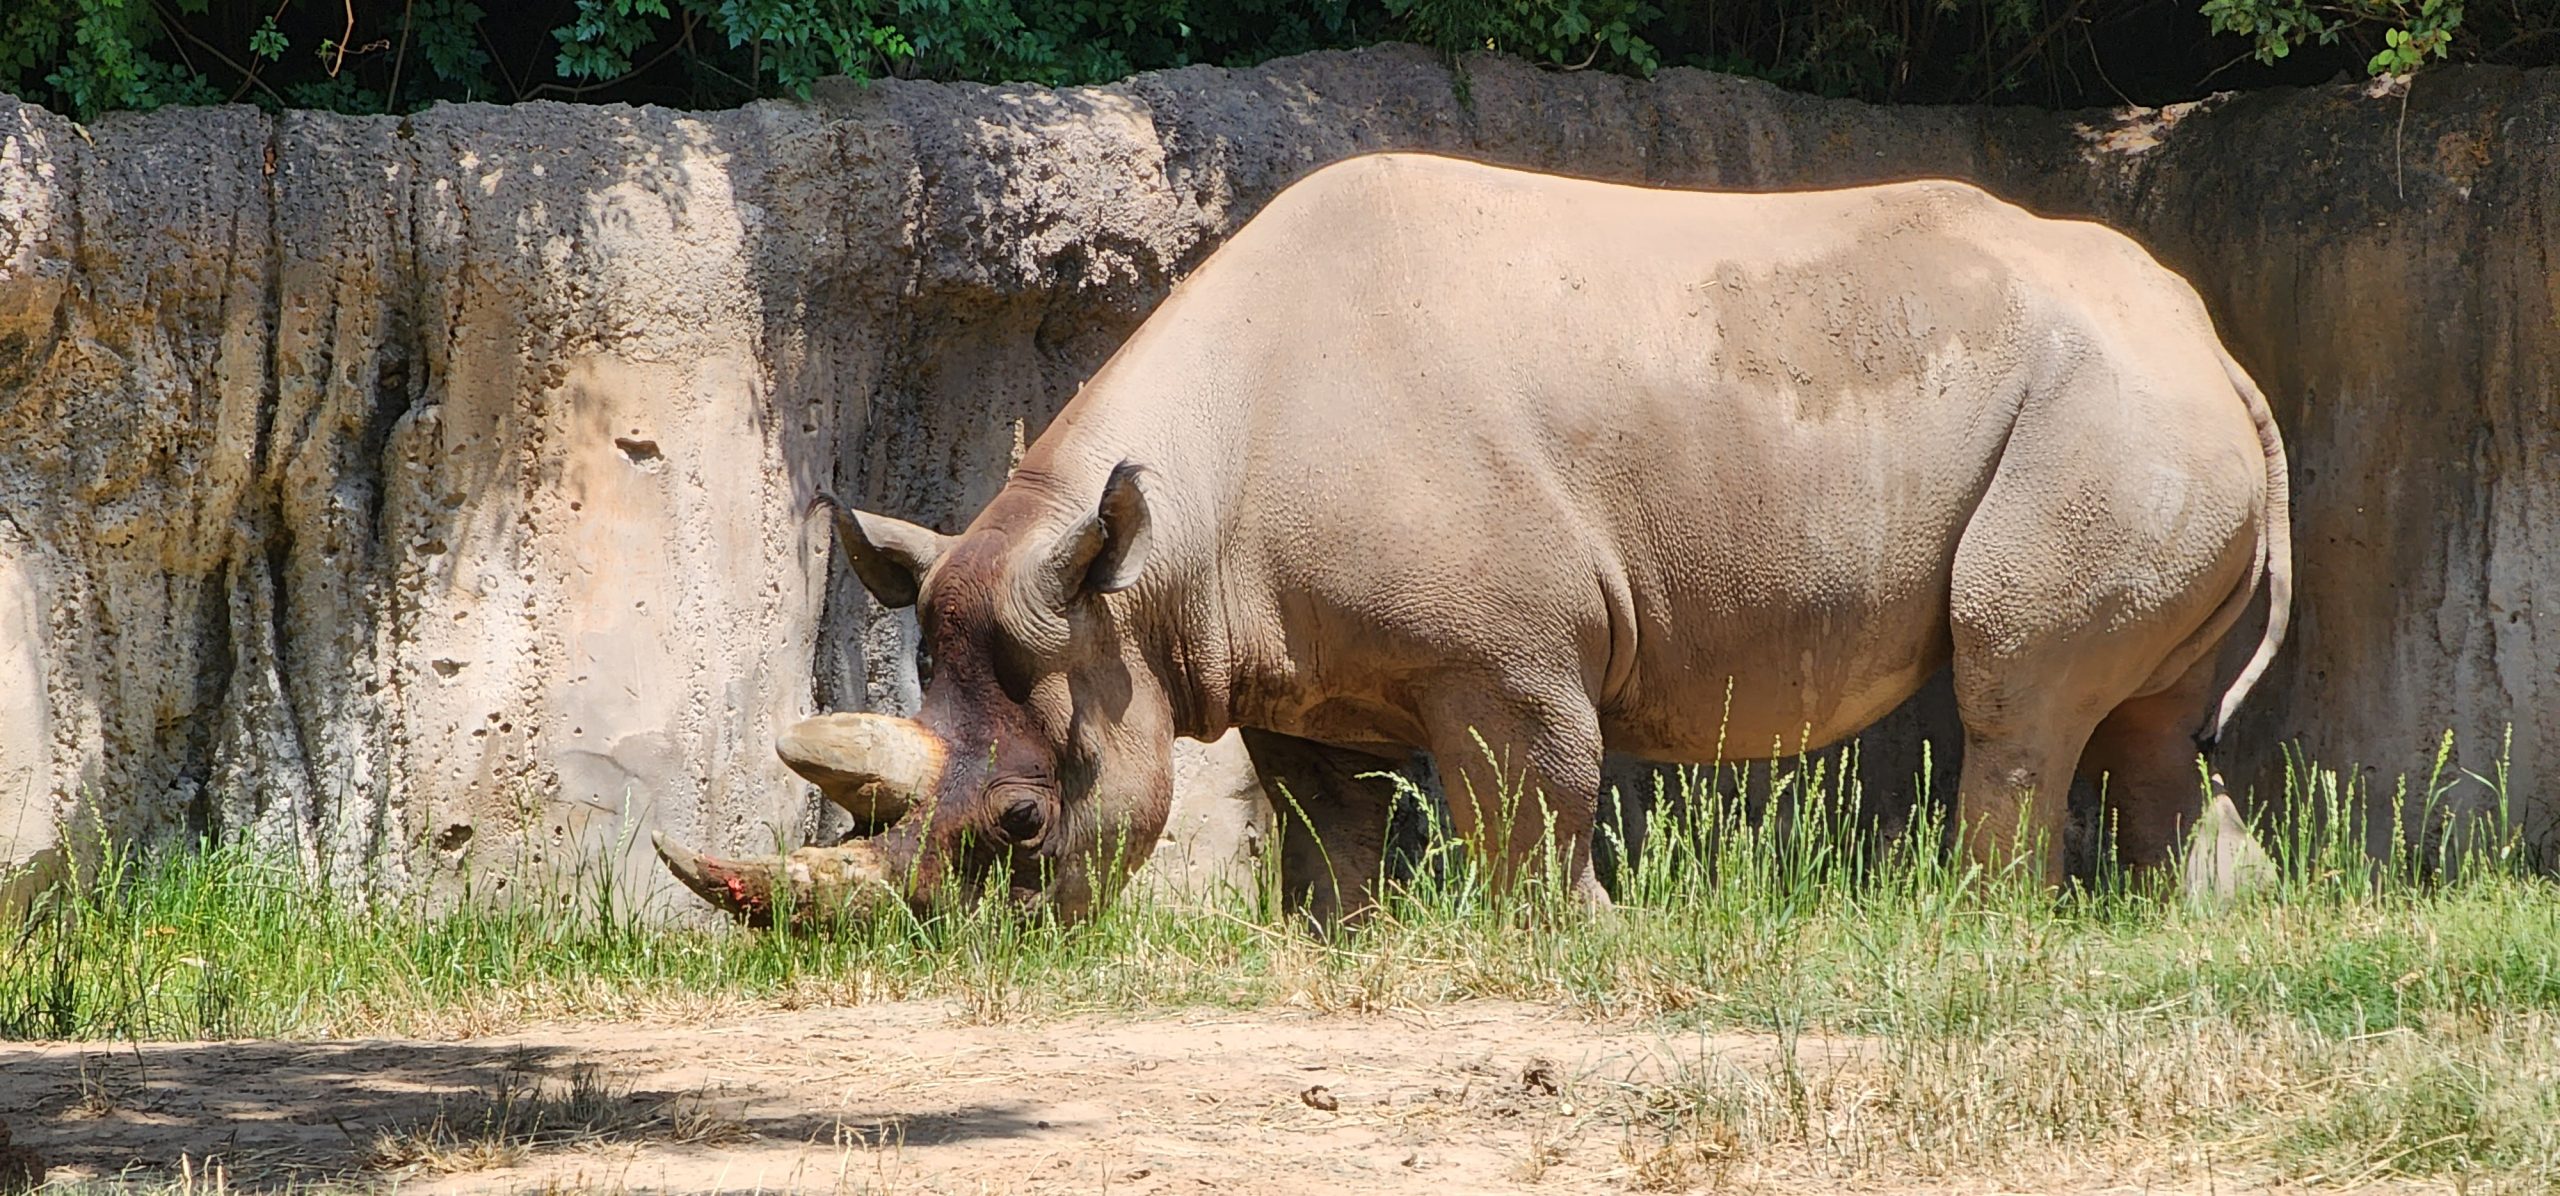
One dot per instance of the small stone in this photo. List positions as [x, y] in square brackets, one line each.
[1320, 1097]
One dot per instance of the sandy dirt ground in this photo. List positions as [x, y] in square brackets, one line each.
[916, 1098]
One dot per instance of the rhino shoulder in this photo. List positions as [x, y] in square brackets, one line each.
[1364, 181]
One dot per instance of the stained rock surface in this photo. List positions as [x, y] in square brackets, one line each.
[412, 491]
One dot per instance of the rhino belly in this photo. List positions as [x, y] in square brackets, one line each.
[1797, 660]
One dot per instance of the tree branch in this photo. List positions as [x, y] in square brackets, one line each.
[682, 39]
[248, 77]
[343, 39]
[499, 60]
[399, 58]
[1991, 85]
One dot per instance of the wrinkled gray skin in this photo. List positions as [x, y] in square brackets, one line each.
[1433, 449]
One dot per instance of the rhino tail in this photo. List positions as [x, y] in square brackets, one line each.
[823, 500]
[2275, 550]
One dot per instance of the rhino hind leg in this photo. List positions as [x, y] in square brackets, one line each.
[1331, 823]
[2035, 719]
[2074, 601]
[2144, 755]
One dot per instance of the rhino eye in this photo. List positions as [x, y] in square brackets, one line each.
[1023, 820]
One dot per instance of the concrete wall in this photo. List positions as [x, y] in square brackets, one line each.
[411, 491]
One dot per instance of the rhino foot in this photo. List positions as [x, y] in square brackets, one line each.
[2224, 860]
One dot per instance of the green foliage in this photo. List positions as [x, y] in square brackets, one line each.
[2368, 1015]
[599, 44]
[801, 40]
[444, 40]
[90, 56]
[2429, 31]
[2411, 32]
[267, 42]
[1576, 32]
[1727, 914]
[1885, 49]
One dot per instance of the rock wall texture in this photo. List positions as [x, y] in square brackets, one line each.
[403, 491]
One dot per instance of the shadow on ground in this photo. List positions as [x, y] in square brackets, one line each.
[273, 1114]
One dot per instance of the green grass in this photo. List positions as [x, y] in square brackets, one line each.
[2362, 1016]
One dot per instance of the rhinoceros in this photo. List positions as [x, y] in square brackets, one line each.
[1512, 468]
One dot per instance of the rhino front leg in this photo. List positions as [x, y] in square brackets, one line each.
[1518, 764]
[1331, 824]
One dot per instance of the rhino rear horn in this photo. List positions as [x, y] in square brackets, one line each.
[875, 766]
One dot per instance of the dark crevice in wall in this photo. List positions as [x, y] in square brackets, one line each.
[198, 736]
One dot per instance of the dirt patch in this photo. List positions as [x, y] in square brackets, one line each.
[914, 1098]
[905, 1097]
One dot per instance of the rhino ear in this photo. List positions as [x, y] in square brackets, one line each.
[1105, 552]
[889, 555]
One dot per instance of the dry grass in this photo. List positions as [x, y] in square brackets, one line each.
[2133, 1101]
[2366, 1020]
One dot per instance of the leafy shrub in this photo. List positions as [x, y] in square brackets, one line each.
[2411, 32]
[90, 56]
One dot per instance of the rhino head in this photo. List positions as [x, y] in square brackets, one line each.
[1042, 754]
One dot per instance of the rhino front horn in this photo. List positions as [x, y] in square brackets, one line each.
[739, 887]
[873, 765]
[817, 884]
